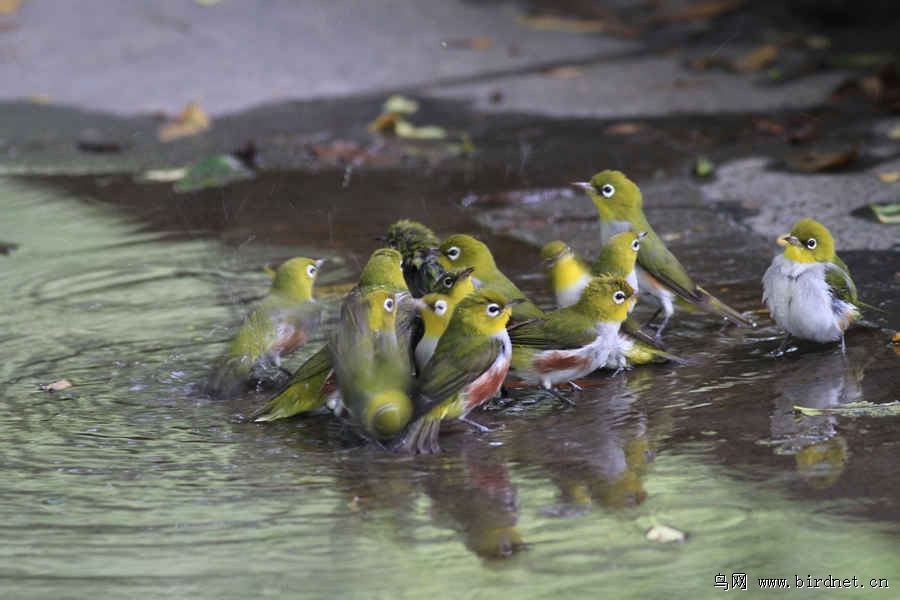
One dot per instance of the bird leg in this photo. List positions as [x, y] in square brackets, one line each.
[652, 318]
[783, 346]
[558, 395]
[575, 387]
[662, 326]
[479, 426]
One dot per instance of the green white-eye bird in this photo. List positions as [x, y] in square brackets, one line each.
[569, 275]
[466, 370]
[314, 383]
[279, 324]
[461, 251]
[457, 284]
[620, 206]
[373, 371]
[436, 310]
[808, 288]
[576, 340]
[414, 241]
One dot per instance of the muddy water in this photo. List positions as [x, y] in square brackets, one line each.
[133, 482]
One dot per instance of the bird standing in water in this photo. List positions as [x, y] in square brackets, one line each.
[808, 288]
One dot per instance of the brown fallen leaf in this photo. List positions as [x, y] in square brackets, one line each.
[758, 58]
[57, 386]
[549, 22]
[626, 128]
[699, 11]
[889, 177]
[9, 6]
[191, 121]
[814, 162]
[475, 43]
[769, 126]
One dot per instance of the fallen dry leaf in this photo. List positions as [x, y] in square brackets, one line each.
[565, 72]
[894, 133]
[548, 22]
[626, 128]
[758, 58]
[700, 11]
[191, 121]
[889, 177]
[405, 129]
[9, 6]
[385, 122]
[475, 43]
[40, 99]
[57, 386]
[814, 162]
[769, 126]
[400, 104]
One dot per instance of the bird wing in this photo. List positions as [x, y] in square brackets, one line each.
[552, 334]
[837, 276]
[662, 265]
[445, 375]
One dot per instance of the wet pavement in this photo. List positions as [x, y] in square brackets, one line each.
[134, 481]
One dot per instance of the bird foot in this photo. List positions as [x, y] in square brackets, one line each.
[560, 396]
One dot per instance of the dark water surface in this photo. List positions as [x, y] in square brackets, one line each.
[132, 482]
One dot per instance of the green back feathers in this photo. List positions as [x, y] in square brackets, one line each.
[383, 270]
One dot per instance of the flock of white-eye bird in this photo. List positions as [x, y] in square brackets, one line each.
[433, 328]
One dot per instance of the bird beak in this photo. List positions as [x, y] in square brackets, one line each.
[789, 239]
[582, 185]
[321, 262]
[515, 301]
[641, 235]
[465, 272]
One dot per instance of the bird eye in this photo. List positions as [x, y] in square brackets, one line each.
[440, 307]
[811, 243]
[635, 244]
[453, 253]
[619, 297]
[389, 304]
[607, 190]
[448, 281]
[493, 309]
[311, 270]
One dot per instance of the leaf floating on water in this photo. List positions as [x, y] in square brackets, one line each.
[663, 534]
[704, 167]
[814, 162]
[888, 214]
[191, 121]
[163, 175]
[854, 409]
[57, 386]
[889, 177]
[212, 172]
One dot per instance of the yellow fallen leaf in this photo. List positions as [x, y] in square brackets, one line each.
[164, 175]
[385, 121]
[56, 386]
[408, 130]
[191, 121]
[9, 6]
[475, 43]
[896, 338]
[894, 133]
[889, 177]
[571, 25]
[400, 105]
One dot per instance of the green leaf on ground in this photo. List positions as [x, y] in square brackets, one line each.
[854, 409]
[211, 172]
[887, 213]
[704, 167]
